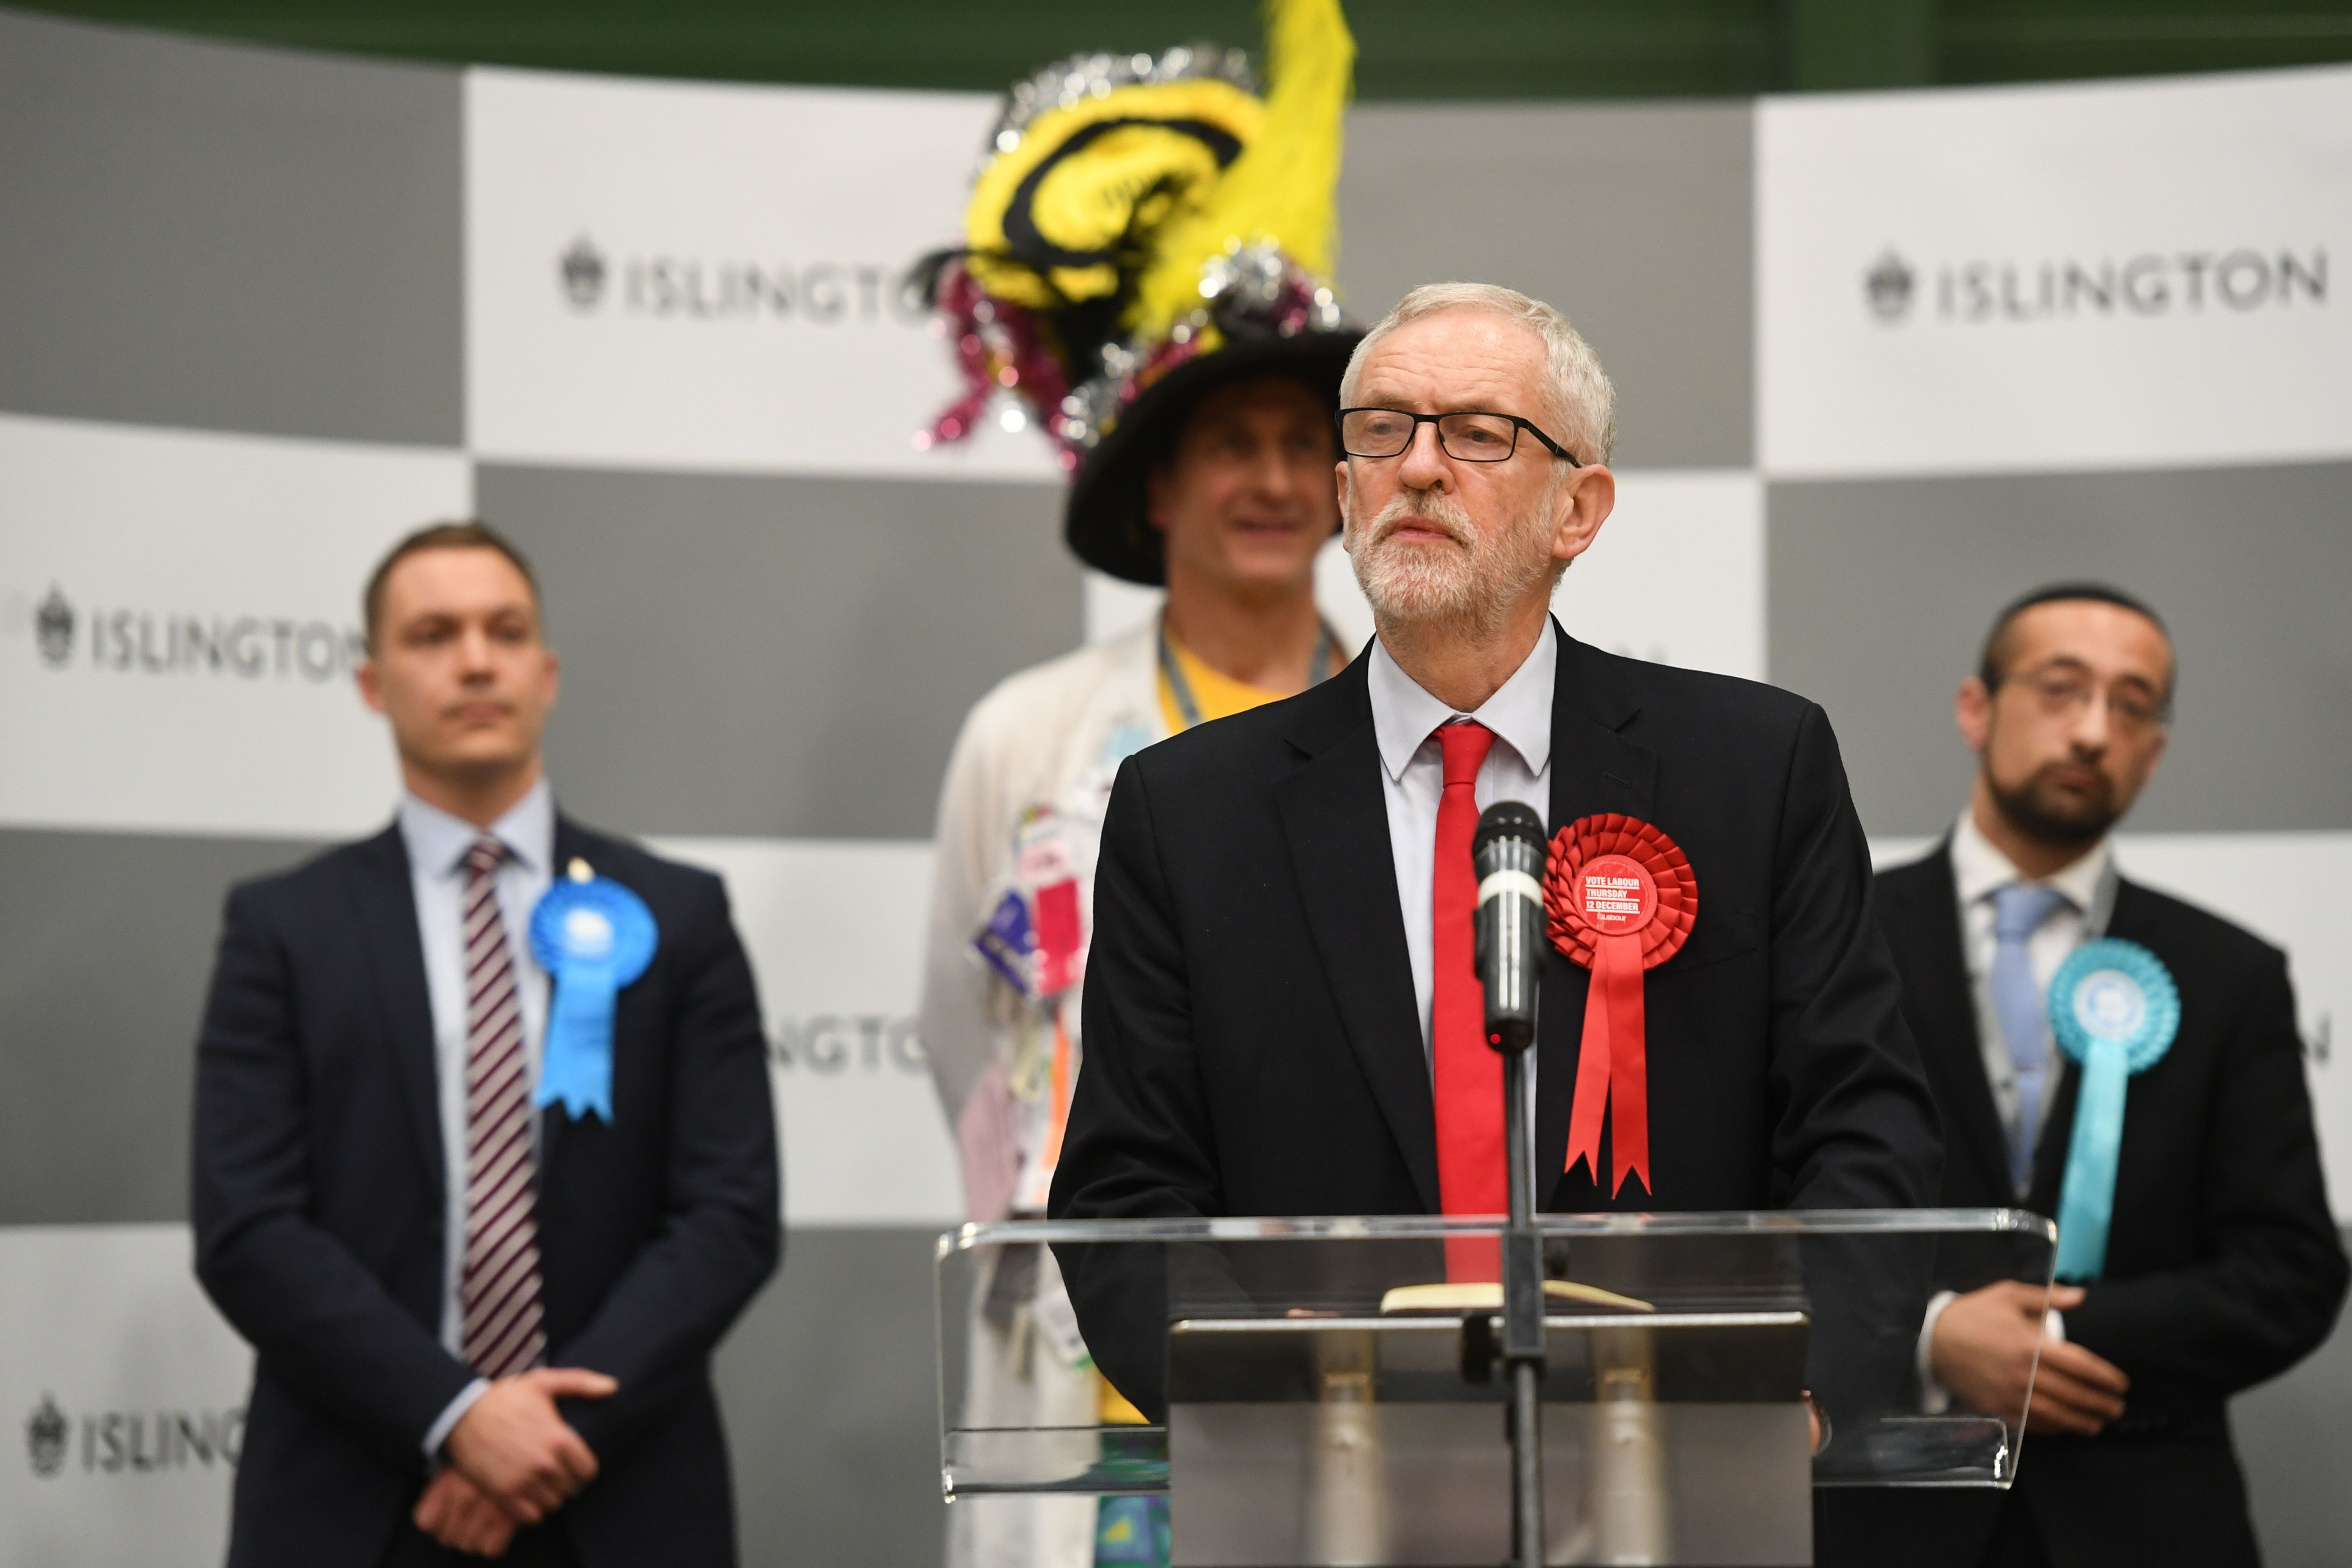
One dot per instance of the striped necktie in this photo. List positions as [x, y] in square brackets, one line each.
[499, 1290]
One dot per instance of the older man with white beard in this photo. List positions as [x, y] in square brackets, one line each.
[1282, 1014]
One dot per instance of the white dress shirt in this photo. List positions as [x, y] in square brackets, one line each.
[436, 844]
[1979, 871]
[1405, 718]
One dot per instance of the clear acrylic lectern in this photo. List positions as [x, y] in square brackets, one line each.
[1325, 1391]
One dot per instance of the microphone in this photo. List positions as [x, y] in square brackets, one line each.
[1508, 853]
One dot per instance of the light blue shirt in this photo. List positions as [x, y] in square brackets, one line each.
[436, 844]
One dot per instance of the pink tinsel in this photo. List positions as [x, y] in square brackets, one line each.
[998, 345]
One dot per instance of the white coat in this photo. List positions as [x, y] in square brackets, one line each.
[1035, 758]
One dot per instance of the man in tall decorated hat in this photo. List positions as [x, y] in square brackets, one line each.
[1282, 1012]
[2129, 1065]
[1144, 275]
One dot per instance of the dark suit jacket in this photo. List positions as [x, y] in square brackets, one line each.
[2224, 1265]
[1252, 1040]
[318, 1197]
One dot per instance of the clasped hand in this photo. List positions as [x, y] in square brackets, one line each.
[513, 1460]
[1984, 1352]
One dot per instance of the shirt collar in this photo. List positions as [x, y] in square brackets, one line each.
[1520, 712]
[1981, 869]
[438, 841]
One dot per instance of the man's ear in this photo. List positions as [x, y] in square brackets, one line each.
[370, 683]
[1584, 504]
[1972, 713]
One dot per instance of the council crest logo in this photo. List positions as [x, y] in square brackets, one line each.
[581, 268]
[44, 1437]
[1887, 286]
[53, 625]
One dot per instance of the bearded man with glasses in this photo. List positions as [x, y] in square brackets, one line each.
[1282, 1016]
[2220, 1263]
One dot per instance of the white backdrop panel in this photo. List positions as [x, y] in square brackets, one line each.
[2109, 275]
[834, 928]
[2286, 887]
[179, 621]
[1678, 573]
[693, 276]
[128, 1391]
[1700, 531]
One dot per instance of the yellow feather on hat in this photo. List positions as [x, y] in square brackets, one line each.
[1283, 188]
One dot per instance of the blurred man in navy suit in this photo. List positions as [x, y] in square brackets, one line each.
[483, 1322]
[2222, 1267]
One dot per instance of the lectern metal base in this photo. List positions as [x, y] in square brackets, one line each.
[1669, 1438]
[1737, 1486]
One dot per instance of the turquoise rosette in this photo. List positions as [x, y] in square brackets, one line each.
[593, 936]
[2115, 1011]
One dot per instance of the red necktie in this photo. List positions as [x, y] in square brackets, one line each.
[1467, 1074]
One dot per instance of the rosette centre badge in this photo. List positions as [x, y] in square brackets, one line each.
[2109, 1003]
[1618, 897]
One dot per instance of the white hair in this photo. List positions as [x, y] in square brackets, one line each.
[1583, 403]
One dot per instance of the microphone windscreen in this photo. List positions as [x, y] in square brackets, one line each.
[1506, 819]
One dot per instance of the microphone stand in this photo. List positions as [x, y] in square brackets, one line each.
[1523, 1312]
[1508, 853]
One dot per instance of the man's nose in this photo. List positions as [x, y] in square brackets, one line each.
[1273, 474]
[1423, 466]
[2092, 729]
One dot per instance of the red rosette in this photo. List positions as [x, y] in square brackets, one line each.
[1613, 833]
[1620, 898]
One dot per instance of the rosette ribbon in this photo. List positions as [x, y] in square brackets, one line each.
[1620, 898]
[593, 936]
[2115, 1010]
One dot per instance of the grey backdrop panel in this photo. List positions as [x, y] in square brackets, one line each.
[779, 657]
[228, 238]
[1633, 220]
[106, 947]
[1880, 592]
[831, 1400]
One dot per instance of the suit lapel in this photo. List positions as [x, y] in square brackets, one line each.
[1945, 1010]
[1594, 768]
[386, 900]
[1335, 822]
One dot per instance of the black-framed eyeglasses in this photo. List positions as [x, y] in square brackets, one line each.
[1471, 437]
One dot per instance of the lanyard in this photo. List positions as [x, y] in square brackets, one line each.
[1318, 670]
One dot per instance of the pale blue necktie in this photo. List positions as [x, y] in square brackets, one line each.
[2018, 910]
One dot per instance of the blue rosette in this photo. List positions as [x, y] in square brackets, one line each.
[593, 936]
[2115, 1011]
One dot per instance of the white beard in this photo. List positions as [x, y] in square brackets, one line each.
[1471, 584]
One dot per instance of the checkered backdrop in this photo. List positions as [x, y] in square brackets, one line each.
[1883, 361]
